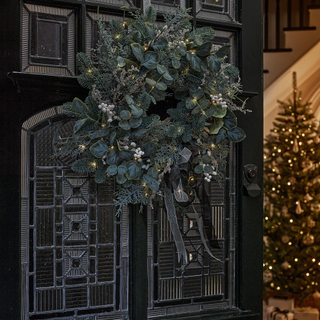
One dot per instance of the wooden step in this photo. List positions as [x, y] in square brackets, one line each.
[299, 28]
[278, 50]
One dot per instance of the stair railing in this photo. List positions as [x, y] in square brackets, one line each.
[287, 15]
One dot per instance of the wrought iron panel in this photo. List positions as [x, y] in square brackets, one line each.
[48, 40]
[207, 280]
[73, 264]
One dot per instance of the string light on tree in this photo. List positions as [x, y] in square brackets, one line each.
[292, 205]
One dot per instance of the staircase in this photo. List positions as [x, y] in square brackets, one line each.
[292, 43]
[297, 42]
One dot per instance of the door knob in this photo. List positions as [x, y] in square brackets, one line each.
[250, 185]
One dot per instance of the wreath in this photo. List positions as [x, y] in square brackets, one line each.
[138, 64]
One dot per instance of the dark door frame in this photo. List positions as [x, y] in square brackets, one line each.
[23, 95]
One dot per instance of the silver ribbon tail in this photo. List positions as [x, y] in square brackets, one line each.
[201, 230]
[172, 218]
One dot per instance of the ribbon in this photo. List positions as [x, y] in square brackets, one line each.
[278, 311]
[172, 218]
[174, 183]
[202, 233]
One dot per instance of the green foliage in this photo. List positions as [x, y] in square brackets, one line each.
[139, 63]
[292, 188]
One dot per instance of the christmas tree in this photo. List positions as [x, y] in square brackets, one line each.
[292, 202]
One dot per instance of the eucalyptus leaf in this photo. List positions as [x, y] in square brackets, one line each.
[167, 76]
[150, 31]
[190, 103]
[153, 172]
[204, 103]
[129, 100]
[198, 94]
[139, 133]
[137, 50]
[149, 149]
[220, 136]
[236, 134]
[126, 155]
[198, 40]
[112, 170]
[136, 112]
[223, 51]
[208, 169]
[121, 178]
[121, 61]
[195, 63]
[153, 99]
[127, 184]
[196, 110]
[216, 126]
[134, 170]
[151, 14]
[204, 50]
[150, 59]
[176, 63]
[79, 106]
[125, 115]
[100, 175]
[182, 51]
[112, 137]
[214, 64]
[124, 124]
[161, 86]
[99, 148]
[113, 157]
[79, 124]
[150, 82]
[122, 169]
[130, 63]
[196, 159]
[135, 122]
[218, 111]
[198, 169]
[206, 159]
[203, 65]
[160, 44]
[161, 69]
[174, 73]
[151, 182]
[189, 55]
[99, 133]
[230, 120]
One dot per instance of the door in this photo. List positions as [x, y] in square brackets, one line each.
[54, 249]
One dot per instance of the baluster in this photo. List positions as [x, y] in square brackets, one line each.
[289, 13]
[301, 13]
[266, 24]
[278, 25]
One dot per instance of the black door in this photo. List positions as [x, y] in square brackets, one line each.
[61, 257]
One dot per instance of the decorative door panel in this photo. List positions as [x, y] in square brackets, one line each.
[206, 281]
[74, 248]
[218, 10]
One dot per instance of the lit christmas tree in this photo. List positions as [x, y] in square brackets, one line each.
[292, 202]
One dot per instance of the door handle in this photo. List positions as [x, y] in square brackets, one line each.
[251, 188]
